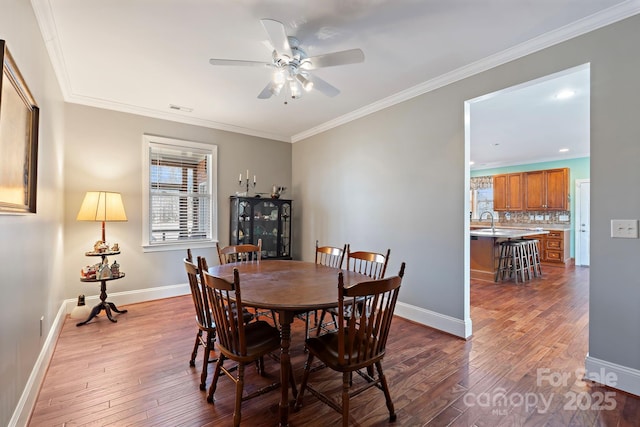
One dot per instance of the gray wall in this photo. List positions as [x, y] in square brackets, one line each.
[31, 246]
[396, 179]
[388, 180]
[103, 151]
[614, 299]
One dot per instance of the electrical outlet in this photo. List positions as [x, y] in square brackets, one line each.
[624, 228]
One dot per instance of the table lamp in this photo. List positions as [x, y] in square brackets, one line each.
[102, 206]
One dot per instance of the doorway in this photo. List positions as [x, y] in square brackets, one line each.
[508, 130]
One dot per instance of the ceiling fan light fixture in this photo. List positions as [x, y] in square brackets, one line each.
[275, 89]
[306, 83]
[295, 89]
[279, 77]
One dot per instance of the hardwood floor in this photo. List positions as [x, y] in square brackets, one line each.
[522, 367]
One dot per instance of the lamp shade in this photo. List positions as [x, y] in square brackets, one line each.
[102, 206]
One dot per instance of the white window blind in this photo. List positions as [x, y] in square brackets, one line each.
[180, 192]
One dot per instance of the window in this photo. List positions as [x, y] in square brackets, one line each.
[179, 197]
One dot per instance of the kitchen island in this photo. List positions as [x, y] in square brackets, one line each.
[485, 248]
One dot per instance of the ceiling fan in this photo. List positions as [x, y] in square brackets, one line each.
[291, 65]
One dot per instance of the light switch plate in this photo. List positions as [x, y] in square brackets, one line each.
[624, 228]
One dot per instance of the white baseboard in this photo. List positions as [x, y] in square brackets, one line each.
[448, 324]
[612, 375]
[25, 405]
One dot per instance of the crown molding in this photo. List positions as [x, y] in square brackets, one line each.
[575, 29]
[163, 115]
[46, 22]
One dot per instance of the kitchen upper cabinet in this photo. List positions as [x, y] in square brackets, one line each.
[507, 192]
[547, 190]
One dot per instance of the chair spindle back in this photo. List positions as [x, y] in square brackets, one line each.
[226, 305]
[330, 255]
[371, 264]
[368, 328]
[200, 302]
[240, 253]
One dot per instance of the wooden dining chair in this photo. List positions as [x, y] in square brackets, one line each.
[358, 344]
[206, 334]
[239, 253]
[237, 341]
[330, 256]
[245, 253]
[370, 264]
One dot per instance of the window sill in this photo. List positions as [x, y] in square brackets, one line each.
[178, 246]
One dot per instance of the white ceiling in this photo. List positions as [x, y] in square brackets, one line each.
[141, 56]
[529, 123]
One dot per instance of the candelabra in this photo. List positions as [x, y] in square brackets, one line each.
[247, 182]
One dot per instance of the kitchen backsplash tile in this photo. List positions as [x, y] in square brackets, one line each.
[533, 217]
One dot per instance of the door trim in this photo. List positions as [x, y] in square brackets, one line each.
[576, 225]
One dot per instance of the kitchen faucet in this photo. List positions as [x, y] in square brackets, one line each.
[493, 228]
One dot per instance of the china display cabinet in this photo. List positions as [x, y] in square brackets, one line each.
[269, 219]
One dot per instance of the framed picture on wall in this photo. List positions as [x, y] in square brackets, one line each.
[18, 140]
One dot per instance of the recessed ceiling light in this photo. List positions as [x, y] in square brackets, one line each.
[564, 150]
[566, 93]
[472, 162]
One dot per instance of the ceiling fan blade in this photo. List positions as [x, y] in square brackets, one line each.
[266, 93]
[350, 56]
[277, 36]
[270, 89]
[323, 86]
[215, 61]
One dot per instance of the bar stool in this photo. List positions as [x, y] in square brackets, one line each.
[533, 252]
[513, 261]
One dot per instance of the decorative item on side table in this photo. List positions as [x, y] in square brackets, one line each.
[104, 207]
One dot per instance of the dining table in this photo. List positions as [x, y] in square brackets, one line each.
[287, 287]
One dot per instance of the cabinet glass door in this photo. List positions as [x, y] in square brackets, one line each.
[265, 223]
[241, 211]
[285, 221]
